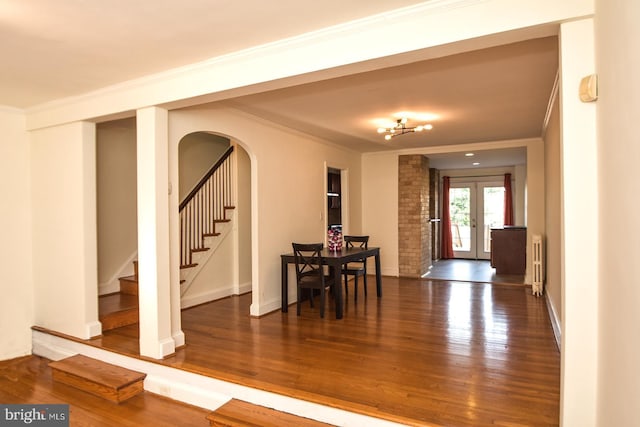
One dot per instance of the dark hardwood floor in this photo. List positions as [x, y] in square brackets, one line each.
[426, 353]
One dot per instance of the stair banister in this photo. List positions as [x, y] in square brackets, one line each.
[204, 206]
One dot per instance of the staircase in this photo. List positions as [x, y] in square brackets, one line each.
[121, 308]
[203, 215]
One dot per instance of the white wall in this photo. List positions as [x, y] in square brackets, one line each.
[287, 175]
[217, 277]
[535, 199]
[116, 195]
[553, 226]
[380, 207]
[16, 285]
[198, 152]
[618, 106]
[64, 229]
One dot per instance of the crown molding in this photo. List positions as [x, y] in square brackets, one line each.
[338, 50]
[11, 110]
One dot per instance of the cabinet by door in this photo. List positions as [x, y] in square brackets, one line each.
[508, 250]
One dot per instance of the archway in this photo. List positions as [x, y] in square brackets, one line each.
[221, 263]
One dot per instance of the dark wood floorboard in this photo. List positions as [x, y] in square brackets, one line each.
[27, 380]
[426, 353]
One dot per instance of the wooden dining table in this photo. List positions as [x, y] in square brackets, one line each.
[335, 260]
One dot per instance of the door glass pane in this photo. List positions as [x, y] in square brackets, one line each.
[460, 213]
[493, 213]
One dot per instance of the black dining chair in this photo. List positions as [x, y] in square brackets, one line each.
[358, 268]
[310, 272]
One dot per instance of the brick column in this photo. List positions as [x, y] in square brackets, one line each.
[414, 228]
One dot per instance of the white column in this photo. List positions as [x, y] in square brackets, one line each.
[153, 233]
[579, 229]
[174, 224]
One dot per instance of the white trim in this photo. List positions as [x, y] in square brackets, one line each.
[204, 297]
[552, 98]
[408, 34]
[269, 306]
[295, 42]
[200, 390]
[215, 294]
[555, 321]
[178, 339]
[11, 110]
[458, 148]
[93, 329]
[244, 288]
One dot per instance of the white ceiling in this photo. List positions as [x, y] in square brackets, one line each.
[64, 48]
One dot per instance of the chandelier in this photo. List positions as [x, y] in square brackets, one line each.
[401, 128]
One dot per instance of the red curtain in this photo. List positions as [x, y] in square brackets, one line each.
[447, 241]
[508, 200]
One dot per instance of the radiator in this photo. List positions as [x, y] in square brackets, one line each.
[537, 251]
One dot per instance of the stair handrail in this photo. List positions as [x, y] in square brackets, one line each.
[205, 178]
[204, 207]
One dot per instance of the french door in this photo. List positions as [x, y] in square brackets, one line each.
[475, 208]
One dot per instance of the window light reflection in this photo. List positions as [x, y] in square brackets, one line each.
[459, 330]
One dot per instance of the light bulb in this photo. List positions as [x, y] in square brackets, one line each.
[428, 127]
[403, 120]
[418, 128]
[387, 137]
[381, 130]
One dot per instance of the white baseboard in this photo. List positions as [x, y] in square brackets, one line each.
[198, 390]
[204, 297]
[267, 307]
[178, 339]
[93, 329]
[243, 288]
[212, 295]
[555, 321]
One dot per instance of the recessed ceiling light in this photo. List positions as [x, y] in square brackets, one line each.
[469, 154]
[476, 163]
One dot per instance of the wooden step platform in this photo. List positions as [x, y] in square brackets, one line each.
[237, 413]
[129, 285]
[102, 379]
[117, 310]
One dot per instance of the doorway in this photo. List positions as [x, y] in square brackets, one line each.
[475, 208]
[334, 199]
